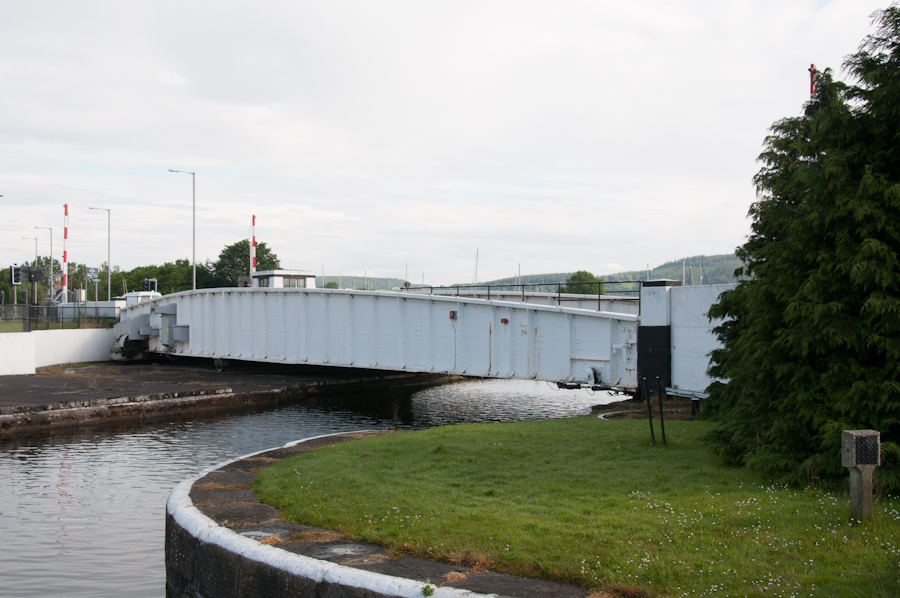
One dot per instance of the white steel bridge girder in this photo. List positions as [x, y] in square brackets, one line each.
[390, 331]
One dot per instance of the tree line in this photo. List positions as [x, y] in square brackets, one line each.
[171, 277]
[714, 269]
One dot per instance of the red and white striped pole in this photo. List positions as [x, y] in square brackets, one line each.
[65, 266]
[253, 248]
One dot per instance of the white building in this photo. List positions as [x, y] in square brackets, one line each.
[284, 279]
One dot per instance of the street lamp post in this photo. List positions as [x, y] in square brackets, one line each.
[52, 286]
[108, 254]
[194, 209]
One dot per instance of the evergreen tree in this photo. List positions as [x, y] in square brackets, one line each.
[811, 344]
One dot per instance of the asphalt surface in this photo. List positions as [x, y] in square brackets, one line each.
[108, 380]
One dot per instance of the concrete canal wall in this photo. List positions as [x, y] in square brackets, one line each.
[205, 559]
[24, 352]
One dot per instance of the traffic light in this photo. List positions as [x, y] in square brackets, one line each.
[31, 275]
[14, 274]
[150, 284]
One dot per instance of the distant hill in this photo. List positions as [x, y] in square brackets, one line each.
[538, 279]
[716, 269]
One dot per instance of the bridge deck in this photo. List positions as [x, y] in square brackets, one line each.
[390, 331]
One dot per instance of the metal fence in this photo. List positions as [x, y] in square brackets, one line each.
[25, 318]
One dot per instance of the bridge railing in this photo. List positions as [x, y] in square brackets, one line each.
[622, 288]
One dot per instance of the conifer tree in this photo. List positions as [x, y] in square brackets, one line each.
[811, 345]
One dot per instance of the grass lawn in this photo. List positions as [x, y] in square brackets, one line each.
[593, 503]
[57, 325]
[17, 325]
[11, 326]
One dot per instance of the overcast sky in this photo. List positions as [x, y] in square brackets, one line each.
[372, 136]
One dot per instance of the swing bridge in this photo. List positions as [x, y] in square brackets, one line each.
[600, 342]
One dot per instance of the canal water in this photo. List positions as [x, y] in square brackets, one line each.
[82, 513]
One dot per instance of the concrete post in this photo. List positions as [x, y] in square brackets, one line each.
[861, 453]
[861, 490]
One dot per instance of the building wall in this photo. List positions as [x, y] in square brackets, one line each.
[692, 335]
[23, 353]
[16, 353]
[53, 347]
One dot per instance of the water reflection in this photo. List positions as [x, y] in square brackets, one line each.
[82, 512]
[506, 400]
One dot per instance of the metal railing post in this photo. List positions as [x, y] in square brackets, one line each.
[649, 410]
[662, 422]
[639, 298]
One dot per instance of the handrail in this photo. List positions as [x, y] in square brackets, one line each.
[631, 293]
